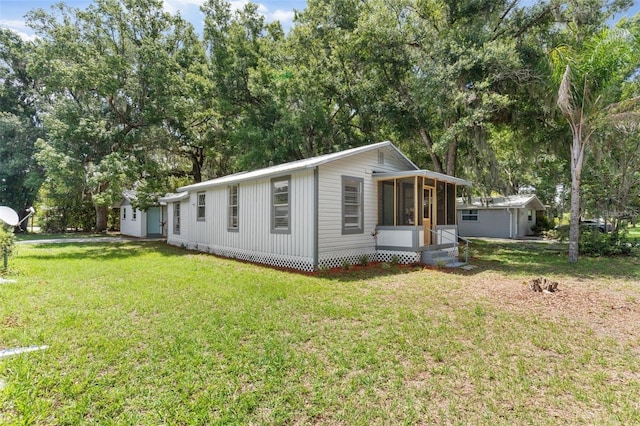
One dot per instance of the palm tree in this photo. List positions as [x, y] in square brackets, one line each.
[589, 99]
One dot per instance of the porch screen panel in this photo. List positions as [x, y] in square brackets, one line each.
[451, 204]
[406, 202]
[441, 195]
[385, 203]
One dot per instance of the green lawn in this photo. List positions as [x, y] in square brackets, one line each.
[143, 333]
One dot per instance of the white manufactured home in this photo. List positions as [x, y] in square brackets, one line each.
[512, 216]
[370, 201]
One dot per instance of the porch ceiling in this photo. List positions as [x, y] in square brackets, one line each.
[423, 173]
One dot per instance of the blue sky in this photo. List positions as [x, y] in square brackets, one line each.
[12, 11]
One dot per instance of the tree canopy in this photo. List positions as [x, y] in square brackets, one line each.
[508, 94]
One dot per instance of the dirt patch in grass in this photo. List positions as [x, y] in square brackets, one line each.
[605, 309]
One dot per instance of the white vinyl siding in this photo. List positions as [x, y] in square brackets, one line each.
[331, 240]
[128, 224]
[254, 234]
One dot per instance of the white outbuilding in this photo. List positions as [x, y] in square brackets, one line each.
[321, 212]
[141, 223]
[512, 216]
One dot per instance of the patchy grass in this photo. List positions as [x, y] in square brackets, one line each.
[143, 333]
[525, 258]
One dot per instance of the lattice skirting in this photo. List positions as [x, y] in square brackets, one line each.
[277, 260]
[452, 252]
[402, 257]
[352, 257]
[331, 260]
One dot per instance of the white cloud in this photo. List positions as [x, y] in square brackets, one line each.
[184, 6]
[187, 7]
[19, 27]
[284, 16]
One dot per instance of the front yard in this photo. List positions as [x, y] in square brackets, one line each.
[143, 333]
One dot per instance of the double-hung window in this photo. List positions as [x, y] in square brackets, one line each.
[124, 213]
[471, 215]
[176, 218]
[201, 205]
[134, 213]
[232, 223]
[280, 205]
[352, 202]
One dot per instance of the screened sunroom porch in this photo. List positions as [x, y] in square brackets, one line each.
[417, 210]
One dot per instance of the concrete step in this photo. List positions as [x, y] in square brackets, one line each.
[435, 254]
[439, 257]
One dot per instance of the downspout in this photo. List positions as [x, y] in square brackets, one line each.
[510, 223]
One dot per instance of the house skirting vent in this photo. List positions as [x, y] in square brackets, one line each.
[402, 257]
[333, 260]
[352, 257]
[277, 260]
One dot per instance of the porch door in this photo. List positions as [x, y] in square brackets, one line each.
[427, 213]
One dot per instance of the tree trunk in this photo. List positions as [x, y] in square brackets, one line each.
[101, 218]
[428, 143]
[452, 151]
[574, 226]
[577, 159]
[196, 166]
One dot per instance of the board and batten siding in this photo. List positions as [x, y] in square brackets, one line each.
[253, 240]
[182, 238]
[334, 247]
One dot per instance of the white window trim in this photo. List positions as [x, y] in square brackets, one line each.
[176, 218]
[467, 214]
[230, 207]
[359, 227]
[274, 229]
[201, 196]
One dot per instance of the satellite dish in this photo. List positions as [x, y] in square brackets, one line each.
[9, 216]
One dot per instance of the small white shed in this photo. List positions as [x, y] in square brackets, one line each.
[138, 223]
[498, 217]
[318, 212]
